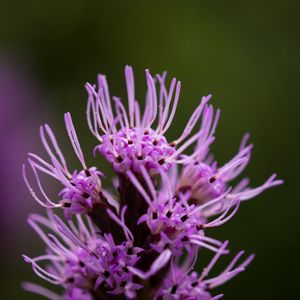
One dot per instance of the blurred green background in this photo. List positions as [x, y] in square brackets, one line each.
[246, 53]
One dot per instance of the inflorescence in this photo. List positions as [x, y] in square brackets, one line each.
[141, 240]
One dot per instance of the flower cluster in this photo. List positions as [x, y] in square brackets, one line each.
[140, 240]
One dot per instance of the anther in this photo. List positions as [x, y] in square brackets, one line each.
[81, 264]
[174, 289]
[200, 227]
[106, 274]
[119, 158]
[85, 195]
[212, 179]
[184, 189]
[161, 161]
[173, 144]
[184, 218]
[70, 280]
[87, 172]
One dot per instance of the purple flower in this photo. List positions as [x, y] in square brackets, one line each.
[205, 180]
[178, 224]
[141, 238]
[82, 260]
[80, 189]
[129, 140]
[182, 283]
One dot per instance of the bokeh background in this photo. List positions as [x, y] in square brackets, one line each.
[246, 53]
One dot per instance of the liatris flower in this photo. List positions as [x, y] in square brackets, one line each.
[141, 240]
[181, 284]
[80, 189]
[129, 141]
[81, 258]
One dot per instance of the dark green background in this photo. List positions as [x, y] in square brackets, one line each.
[246, 53]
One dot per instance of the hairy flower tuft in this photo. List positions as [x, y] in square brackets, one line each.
[130, 139]
[139, 239]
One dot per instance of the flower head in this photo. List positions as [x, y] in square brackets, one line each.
[129, 139]
[182, 283]
[201, 175]
[81, 189]
[177, 224]
[83, 261]
[139, 240]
